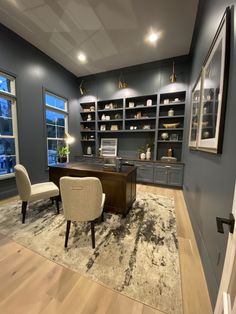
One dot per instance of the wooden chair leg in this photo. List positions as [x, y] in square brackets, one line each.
[67, 232]
[93, 234]
[57, 203]
[23, 210]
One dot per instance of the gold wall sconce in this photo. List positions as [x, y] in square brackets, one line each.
[121, 82]
[82, 88]
[173, 77]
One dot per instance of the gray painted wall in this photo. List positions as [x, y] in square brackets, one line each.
[209, 179]
[33, 70]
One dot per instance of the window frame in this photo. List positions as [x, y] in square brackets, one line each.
[65, 112]
[12, 97]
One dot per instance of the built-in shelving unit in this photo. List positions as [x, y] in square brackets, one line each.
[171, 123]
[135, 121]
[88, 127]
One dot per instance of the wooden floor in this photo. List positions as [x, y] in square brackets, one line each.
[32, 284]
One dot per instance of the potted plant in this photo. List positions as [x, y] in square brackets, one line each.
[62, 153]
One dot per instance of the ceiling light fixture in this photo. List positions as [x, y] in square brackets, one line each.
[121, 82]
[173, 77]
[82, 57]
[152, 37]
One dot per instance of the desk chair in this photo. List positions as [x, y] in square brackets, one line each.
[32, 192]
[82, 200]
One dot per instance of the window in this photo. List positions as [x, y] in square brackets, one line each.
[8, 126]
[56, 124]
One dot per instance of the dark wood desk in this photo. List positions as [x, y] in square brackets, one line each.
[120, 187]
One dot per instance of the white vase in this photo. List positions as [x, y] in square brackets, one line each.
[89, 150]
[148, 154]
[142, 156]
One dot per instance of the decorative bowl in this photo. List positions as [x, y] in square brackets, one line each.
[170, 125]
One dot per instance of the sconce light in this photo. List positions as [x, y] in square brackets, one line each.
[173, 77]
[82, 89]
[121, 82]
[68, 138]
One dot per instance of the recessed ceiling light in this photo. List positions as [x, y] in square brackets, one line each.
[82, 57]
[152, 37]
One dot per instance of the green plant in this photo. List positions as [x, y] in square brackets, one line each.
[141, 150]
[63, 151]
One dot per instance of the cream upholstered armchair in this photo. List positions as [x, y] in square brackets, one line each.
[82, 200]
[32, 192]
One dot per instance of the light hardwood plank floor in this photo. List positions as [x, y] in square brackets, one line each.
[32, 284]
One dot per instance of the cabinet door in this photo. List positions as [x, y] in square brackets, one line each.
[175, 175]
[144, 172]
[160, 174]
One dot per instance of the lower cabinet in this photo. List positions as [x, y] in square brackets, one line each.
[159, 173]
[168, 174]
[144, 172]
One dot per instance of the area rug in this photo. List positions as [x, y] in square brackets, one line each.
[136, 255]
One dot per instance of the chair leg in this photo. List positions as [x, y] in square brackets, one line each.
[23, 210]
[52, 200]
[93, 234]
[67, 232]
[102, 216]
[57, 203]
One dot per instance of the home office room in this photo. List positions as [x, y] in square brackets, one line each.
[117, 157]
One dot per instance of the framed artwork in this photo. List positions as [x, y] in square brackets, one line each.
[214, 80]
[109, 147]
[196, 98]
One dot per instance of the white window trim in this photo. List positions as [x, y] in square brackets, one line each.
[12, 98]
[57, 110]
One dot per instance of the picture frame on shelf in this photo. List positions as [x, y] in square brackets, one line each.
[214, 78]
[196, 96]
[174, 137]
[103, 127]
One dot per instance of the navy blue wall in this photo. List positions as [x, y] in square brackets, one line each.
[209, 179]
[33, 70]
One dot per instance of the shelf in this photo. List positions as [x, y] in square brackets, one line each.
[111, 120]
[140, 107]
[143, 119]
[161, 141]
[126, 131]
[170, 129]
[172, 104]
[109, 110]
[87, 131]
[93, 141]
[169, 117]
[111, 131]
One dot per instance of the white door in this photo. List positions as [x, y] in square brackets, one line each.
[226, 301]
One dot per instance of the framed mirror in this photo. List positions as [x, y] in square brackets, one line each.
[214, 90]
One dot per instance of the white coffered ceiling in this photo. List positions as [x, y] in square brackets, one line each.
[110, 32]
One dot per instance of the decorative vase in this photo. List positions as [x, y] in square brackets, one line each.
[148, 154]
[89, 150]
[164, 136]
[142, 156]
[171, 113]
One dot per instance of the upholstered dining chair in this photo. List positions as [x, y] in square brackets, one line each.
[33, 192]
[82, 200]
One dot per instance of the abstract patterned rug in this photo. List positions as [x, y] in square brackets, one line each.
[136, 255]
